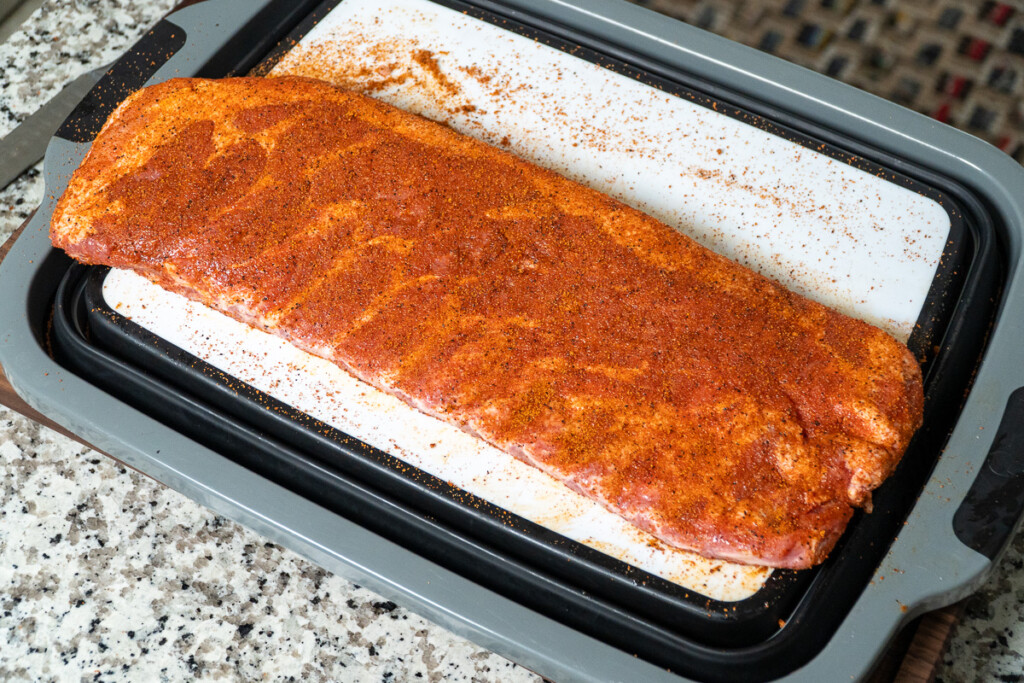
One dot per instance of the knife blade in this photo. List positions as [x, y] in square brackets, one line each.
[24, 146]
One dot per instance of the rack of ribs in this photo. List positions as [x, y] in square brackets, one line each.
[701, 401]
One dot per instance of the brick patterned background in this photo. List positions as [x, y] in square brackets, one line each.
[959, 62]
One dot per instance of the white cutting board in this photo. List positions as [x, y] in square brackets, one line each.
[836, 234]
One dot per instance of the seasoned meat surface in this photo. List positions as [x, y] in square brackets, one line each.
[703, 402]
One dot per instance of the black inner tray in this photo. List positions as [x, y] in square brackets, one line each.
[767, 635]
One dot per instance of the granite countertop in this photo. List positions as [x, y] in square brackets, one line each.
[108, 575]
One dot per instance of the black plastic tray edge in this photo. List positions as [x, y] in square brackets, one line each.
[370, 507]
[577, 565]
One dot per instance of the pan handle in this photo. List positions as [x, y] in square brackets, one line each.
[125, 76]
[994, 504]
[198, 40]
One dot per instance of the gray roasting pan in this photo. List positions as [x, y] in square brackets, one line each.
[952, 538]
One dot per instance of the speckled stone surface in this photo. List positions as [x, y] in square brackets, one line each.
[988, 642]
[107, 575]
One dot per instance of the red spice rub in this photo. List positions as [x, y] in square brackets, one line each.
[703, 402]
